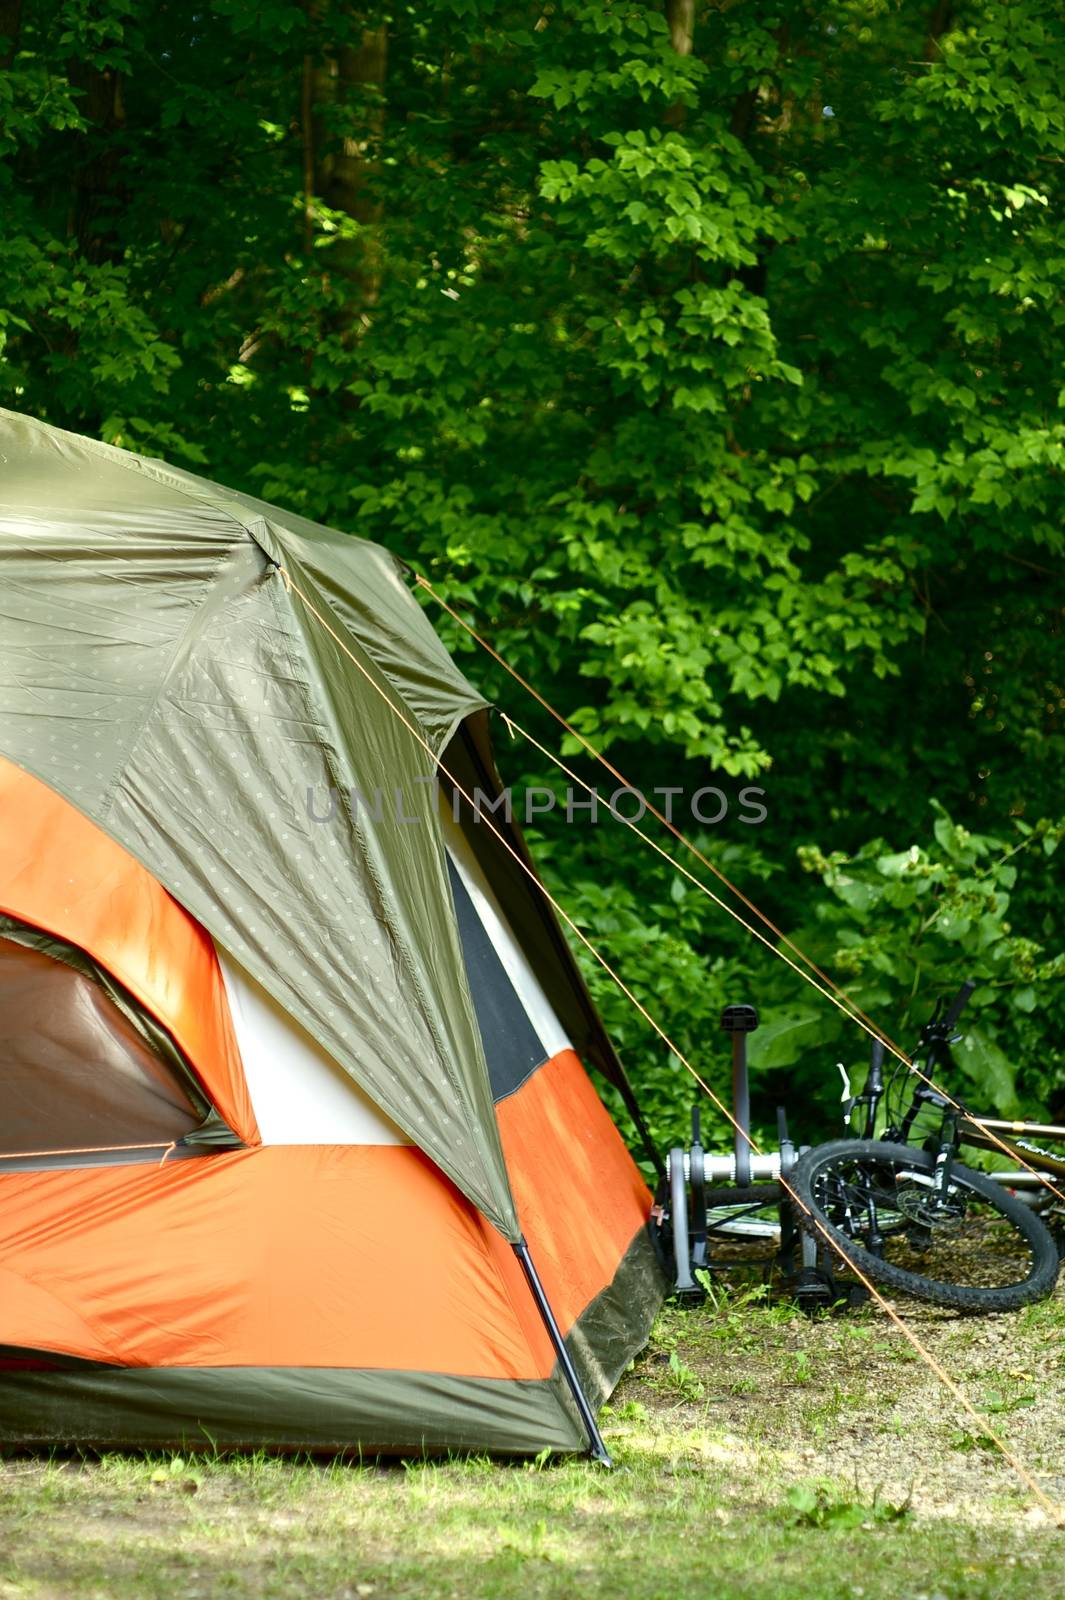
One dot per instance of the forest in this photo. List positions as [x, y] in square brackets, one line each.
[707, 358]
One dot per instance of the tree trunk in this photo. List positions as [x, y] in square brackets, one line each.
[96, 189]
[938, 23]
[10, 29]
[361, 75]
[680, 14]
[347, 87]
[307, 131]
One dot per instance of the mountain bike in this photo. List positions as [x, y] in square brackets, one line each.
[907, 1213]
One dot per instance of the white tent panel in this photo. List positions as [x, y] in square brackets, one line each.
[298, 1093]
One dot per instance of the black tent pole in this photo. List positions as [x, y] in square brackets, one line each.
[596, 1448]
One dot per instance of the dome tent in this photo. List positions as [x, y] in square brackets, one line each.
[303, 1153]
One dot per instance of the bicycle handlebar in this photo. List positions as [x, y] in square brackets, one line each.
[958, 1004]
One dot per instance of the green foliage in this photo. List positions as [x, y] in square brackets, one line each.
[820, 1505]
[686, 1383]
[903, 929]
[723, 385]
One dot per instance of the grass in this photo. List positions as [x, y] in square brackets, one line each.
[758, 1455]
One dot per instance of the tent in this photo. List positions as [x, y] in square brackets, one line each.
[297, 1149]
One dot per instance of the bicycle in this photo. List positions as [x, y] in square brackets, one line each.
[916, 1219]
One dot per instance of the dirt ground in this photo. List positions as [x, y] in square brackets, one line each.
[848, 1397]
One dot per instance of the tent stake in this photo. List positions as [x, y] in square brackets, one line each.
[596, 1448]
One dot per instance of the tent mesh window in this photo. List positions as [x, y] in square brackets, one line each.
[76, 1074]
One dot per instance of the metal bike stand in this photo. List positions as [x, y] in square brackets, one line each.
[691, 1172]
[739, 1021]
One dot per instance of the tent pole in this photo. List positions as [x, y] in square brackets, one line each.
[596, 1448]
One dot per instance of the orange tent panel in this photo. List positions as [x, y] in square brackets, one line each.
[294, 1255]
[579, 1194]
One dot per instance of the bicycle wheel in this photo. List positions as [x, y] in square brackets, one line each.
[977, 1248]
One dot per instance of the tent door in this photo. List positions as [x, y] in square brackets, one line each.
[86, 1077]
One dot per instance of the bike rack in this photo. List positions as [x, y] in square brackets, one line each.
[691, 1171]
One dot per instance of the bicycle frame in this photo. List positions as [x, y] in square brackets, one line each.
[977, 1132]
[959, 1126]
